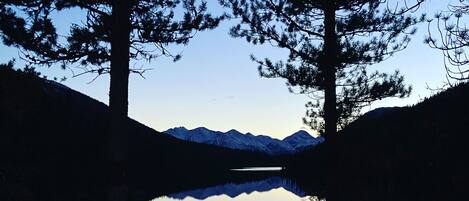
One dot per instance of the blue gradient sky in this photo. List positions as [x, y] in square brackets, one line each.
[215, 85]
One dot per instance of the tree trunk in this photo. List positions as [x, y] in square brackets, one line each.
[118, 144]
[329, 66]
[118, 93]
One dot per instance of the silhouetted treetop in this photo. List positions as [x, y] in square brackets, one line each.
[451, 35]
[111, 34]
[154, 25]
[330, 43]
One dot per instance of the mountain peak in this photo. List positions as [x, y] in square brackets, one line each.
[301, 140]
[236, 140]
[179, 128]
[300, 133]
[233, 131]
[200, 129]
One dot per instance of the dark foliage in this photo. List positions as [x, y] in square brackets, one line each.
[330, 44]
[28, 25]
[409, 153]
[112, 34]
[451, 36]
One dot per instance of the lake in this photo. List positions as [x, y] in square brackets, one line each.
[191, 184]
[269, 188]
[240, 184]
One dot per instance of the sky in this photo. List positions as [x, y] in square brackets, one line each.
[216, 85]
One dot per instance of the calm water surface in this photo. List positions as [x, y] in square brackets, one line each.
[274, 188]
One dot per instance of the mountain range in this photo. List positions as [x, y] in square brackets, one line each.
[233, 190]
[234, 139]
[33, 130]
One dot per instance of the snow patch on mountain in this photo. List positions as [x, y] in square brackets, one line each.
[236, 140]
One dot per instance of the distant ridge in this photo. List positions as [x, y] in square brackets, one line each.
[234, 189]
[234, 139]
[45, 123]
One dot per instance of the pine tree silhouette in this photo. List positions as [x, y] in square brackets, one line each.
[330, 44]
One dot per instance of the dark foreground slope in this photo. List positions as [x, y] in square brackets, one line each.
[410, 153]
[50, 134]
[43, 121]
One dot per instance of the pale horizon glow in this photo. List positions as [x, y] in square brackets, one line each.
[257, 169]
[216, 86]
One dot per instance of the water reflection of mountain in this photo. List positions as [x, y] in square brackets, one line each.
[234, 189]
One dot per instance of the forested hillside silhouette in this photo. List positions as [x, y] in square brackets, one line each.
[412, 152]
[52, 134]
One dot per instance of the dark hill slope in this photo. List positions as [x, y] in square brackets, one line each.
[44, 122]
[408, 153]
[53, 142]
